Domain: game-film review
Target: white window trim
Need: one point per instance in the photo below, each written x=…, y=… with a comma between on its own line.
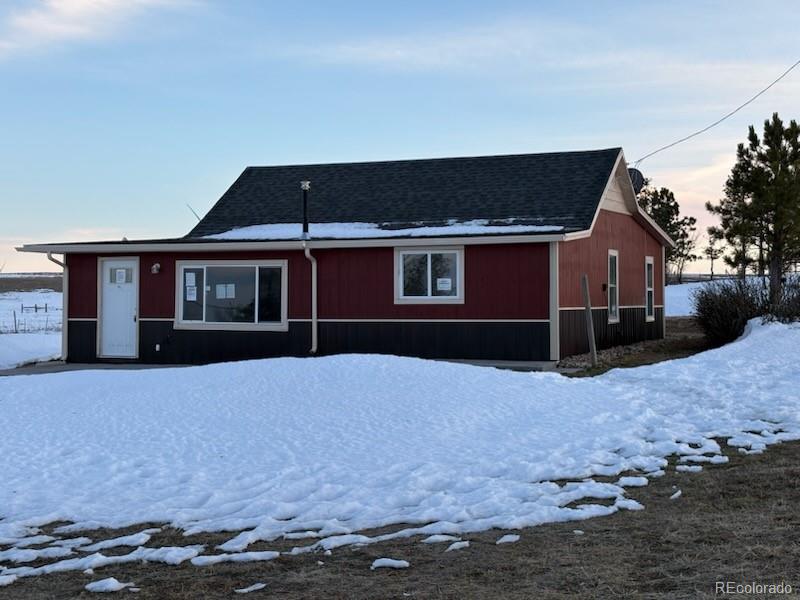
x=179, y=323
x=648, y=260
x=398, y=275
x=615, y=254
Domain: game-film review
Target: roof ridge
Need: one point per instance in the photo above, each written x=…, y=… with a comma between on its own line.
x=436, y=159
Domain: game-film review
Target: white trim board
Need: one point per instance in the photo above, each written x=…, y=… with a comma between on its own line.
x=621, y=307
x=423, y=320
x=555, y=326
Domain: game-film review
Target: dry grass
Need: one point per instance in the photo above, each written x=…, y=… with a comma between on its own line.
x=734, y=522
x=683, y=338
x=29, y=284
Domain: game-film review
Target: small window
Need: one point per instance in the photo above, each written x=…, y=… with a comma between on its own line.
x=432, y=276
x=223, y=295
x=613, y=286
x=649, y=300
x=120, y=275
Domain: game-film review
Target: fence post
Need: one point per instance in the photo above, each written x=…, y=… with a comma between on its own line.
x=15, y=321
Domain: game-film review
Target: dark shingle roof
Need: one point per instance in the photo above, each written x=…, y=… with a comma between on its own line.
x=555, y=189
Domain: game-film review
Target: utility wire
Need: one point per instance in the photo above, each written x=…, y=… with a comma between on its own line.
x=718, y=121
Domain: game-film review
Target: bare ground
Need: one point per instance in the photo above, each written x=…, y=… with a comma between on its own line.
x=683, y=337
x=734, y=522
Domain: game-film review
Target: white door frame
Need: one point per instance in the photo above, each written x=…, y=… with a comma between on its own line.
x=136, y=276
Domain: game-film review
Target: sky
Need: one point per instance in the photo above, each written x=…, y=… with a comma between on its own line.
x=116, y=114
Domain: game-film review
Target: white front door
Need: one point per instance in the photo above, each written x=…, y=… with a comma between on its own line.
x=119, y=302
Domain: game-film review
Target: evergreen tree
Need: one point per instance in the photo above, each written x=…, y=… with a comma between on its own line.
x=766, y=182
x=663, y=207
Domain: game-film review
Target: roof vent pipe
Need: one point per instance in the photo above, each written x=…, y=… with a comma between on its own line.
x=305, y=186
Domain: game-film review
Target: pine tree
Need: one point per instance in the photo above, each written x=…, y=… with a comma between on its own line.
x=767, y=176
x=663, y=207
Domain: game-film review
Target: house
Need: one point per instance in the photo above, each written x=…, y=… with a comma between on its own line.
x=476, y=258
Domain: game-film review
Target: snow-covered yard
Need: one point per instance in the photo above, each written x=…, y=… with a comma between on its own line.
x=30, y=320
x=316, y=450
x=679, y=298
x=21, y=348
x=39, y=331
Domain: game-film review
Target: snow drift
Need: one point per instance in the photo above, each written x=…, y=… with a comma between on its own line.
x=318, y=449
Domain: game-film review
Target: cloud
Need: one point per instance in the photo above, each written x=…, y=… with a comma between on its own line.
x=570, y=57
x=54, y=22
x=465, y=48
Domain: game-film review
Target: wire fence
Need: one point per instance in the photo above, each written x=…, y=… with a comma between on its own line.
x=34, y=318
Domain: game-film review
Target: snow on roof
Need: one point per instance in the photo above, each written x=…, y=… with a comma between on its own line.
x=292, y=231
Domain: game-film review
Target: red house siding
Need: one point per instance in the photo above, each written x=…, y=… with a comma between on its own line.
x=157, y=290
x=590, y=255
x=500, y=282
x=504, y=315
x=82, y=286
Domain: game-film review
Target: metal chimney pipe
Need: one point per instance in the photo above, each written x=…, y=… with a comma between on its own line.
x=305, y=186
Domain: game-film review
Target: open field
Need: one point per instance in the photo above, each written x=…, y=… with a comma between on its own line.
x=733, y=522
x=10, y=282
x=31, y=318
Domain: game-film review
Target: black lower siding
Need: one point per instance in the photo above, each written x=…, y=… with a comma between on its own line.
x=184, y=346
x=457, y=340
x=82, y=341
x=632, y=327
x=475, y=341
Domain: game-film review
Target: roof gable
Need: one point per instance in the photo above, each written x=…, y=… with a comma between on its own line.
x=560, y=189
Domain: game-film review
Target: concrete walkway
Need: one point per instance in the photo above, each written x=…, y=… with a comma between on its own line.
x=59, y=366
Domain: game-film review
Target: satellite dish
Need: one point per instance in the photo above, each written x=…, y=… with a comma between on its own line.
x=637, y=179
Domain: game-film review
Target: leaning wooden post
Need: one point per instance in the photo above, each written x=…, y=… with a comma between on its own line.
x=587, y=303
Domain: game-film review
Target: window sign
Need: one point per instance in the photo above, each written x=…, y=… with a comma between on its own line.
x=444, y=284
x=190, y=279
x=191, y=293
x=120, y=275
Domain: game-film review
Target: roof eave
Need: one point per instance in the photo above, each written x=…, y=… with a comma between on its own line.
x=295, y=244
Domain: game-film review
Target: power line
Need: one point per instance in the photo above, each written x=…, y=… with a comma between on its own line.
x=718, y=121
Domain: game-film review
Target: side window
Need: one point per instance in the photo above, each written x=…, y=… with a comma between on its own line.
x=649, y=286
x=429, y=276
x=613, y=286
x=120, y=275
